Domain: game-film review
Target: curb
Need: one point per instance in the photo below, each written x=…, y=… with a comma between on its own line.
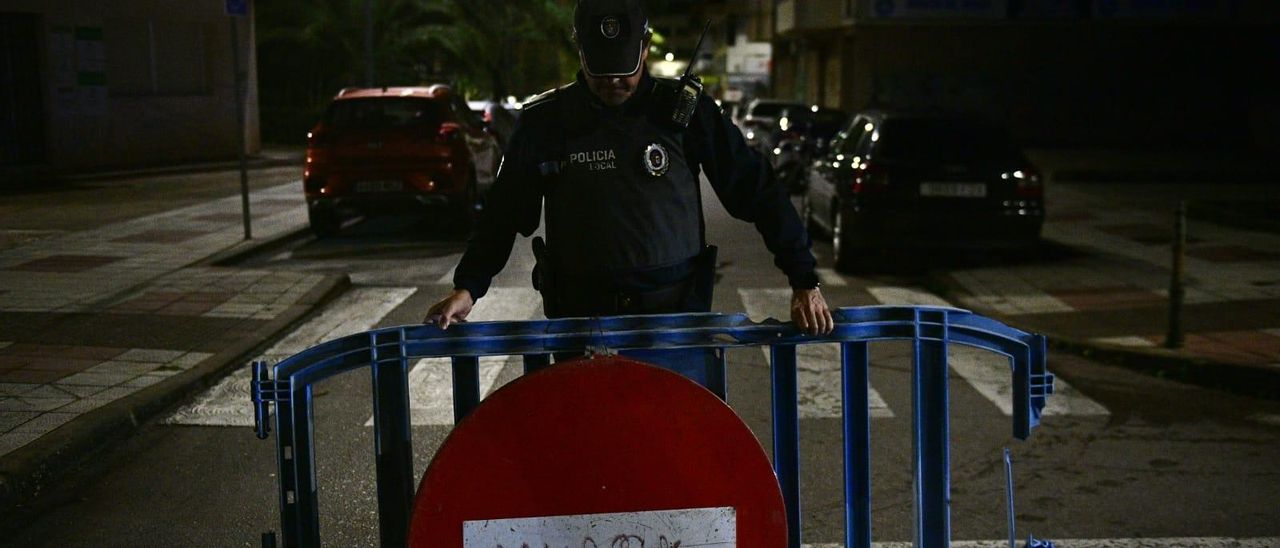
x=1159, y=176
x=32, y=469
x=1227, y=216
x=183, y=169
x=27, y=177
x=1162, y=363
x=239, y=251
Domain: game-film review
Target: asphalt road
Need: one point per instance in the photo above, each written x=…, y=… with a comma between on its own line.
x=1127, y=456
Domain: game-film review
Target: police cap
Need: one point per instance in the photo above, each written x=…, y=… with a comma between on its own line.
x=611, y=35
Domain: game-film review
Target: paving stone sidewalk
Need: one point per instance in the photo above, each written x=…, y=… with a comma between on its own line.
x=89, y=318
x=1111, y=290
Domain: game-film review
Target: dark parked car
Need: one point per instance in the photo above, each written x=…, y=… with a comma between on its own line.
x=903, y=179
x=387, y=150
x=801, y=135
x=760, y=121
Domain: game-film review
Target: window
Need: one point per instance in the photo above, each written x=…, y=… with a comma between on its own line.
x=384, y=113
x=952, y=141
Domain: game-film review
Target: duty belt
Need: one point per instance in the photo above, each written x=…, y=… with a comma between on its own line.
x=581, y=299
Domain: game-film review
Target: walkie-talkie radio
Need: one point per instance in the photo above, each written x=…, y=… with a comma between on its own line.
x=678, y=99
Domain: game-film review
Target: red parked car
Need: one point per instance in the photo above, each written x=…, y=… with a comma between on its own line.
x=394, y=150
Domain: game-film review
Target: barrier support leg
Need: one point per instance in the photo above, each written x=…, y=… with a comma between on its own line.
x=857, y=444
x=466, y=386
x=294, y=423
x=393, y=448
x=717, y=381
x=290, y=530
x=930, y=431
x=536, y=362
x=786, y=435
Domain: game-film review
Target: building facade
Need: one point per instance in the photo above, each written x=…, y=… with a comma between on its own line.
x=1057, y=72
x=90, y=84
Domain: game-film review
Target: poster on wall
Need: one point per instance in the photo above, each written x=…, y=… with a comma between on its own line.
x=1163, y=8
x=91, y=72
x=937, y=9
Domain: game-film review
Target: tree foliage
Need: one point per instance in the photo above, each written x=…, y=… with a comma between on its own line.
x=310, y=49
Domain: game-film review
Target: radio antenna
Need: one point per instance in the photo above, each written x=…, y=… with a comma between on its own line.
x=689, y=69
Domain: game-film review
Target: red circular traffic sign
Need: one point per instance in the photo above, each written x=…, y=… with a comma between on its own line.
x=598, y=436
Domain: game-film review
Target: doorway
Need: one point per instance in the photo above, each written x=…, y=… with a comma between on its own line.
x=22, y=120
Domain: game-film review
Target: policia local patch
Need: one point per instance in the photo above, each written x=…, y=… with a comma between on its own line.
x=655, y=160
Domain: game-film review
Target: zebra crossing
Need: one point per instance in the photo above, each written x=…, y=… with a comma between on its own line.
x=227, y=403
x=431, y=399
x=818, y=375
x=430, y=381
x=986, y=372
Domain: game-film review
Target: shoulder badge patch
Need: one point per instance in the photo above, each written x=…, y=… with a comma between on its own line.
x=656, y=160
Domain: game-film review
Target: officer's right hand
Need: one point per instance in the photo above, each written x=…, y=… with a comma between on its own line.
x=452, y=309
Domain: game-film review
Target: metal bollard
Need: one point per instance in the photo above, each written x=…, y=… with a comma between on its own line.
x=1174, y=338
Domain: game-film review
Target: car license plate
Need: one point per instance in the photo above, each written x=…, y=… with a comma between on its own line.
x=953, y=190
x=379, y=186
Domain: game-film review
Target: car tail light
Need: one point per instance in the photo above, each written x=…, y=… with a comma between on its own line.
x=1029, y=184
x=449, y=131
x=317, y=139
x=422, y=182
x=870, y=178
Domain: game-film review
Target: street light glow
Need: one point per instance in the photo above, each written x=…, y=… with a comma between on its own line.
x=670, y=57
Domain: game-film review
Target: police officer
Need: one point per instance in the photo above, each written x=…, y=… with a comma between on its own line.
x=625, y=233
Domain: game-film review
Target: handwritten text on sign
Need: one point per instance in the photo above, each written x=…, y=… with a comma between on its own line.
x=701, y=527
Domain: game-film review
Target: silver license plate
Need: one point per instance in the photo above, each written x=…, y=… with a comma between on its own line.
x=379, y=186
x=953, y=190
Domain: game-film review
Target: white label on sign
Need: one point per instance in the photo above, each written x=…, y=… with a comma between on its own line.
x=702, y=527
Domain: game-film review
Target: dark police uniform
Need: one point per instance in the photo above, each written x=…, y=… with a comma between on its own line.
x=617, y=212
x=625, y=233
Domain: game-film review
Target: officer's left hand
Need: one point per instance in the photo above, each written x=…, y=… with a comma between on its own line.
x=809, y=311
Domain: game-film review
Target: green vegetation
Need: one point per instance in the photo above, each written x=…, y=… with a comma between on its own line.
x=310, y=49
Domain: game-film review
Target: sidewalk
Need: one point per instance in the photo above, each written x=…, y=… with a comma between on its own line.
x=1163, y=165
x=102, y=328
x=1107, y=295
x=268, y=156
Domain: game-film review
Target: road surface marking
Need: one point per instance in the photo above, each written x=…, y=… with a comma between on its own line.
x=431, y=379
x=1264, y=418
x=907, y=296
x=447, y=278
x=818, y=365
x=1184, y=542
x=227, y=403
x=830, y=277
x=992, y=376
x=988, y=373
x=1128, y=340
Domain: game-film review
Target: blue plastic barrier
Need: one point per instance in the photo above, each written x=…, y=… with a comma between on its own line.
x=388, y=353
